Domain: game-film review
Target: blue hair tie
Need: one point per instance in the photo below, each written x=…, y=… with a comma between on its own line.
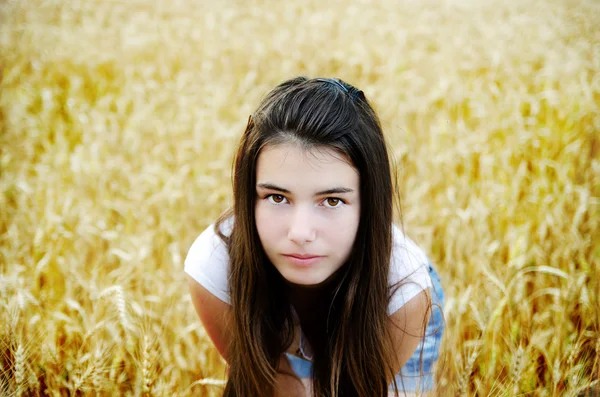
x=354, y=92
x=334, y=82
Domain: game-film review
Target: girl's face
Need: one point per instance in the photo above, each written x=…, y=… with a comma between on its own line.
x=307, y=210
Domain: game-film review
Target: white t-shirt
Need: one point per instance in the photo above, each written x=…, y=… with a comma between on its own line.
x=207, y=262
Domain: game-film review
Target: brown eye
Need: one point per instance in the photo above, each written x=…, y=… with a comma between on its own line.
x=276, y=198
x=332, y=202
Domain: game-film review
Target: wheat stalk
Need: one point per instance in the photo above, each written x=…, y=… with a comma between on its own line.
x=209, y=382
x=119, y=295
x=596, y=367
x=19, y=369
x=556, y=374
x=4, y=385
x=146, y=363
x=517, y=369
x=119, y=299
x=97, y=365
x=463, y=382
x=572, y=368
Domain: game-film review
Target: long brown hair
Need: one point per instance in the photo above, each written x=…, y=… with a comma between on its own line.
x=356, y=359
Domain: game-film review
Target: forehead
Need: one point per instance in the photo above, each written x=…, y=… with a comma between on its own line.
x=295, y=167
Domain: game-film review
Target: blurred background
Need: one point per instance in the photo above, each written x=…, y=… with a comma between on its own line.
x=118, y=123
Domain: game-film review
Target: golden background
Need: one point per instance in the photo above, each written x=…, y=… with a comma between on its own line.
x=118, y=124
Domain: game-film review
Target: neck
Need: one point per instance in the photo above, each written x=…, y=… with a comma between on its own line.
x=309, y=296
x=312, y=304
x=313, y=297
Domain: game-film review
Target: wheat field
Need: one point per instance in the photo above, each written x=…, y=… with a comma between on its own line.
x=118, y=124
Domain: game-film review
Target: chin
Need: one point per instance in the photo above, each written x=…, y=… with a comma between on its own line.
x=303, y=279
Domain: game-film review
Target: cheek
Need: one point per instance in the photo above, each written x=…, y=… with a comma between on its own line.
x=343, y=232
x=259, y=216
x=266, y=224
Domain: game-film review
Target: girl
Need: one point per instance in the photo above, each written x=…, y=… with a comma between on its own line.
x=306, y=287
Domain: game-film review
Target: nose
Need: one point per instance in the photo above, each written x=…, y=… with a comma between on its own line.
x=301, y=228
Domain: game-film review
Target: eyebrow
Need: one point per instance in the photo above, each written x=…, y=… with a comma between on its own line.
x=335, y=190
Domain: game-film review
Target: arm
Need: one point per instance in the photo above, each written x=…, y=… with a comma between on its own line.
x=287, y=384
x=407, y=328
x=215, y=316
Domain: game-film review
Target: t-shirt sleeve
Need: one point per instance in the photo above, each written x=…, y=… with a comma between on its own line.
x=207, y=262
x=409, y=268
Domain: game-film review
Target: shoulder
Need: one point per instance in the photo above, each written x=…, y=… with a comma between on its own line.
x=207, y=261
x=409, y=270
x=209, y=245
x=406, y=255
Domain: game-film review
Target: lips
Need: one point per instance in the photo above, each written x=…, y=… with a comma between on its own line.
x=303, y=259
x=302, y=256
